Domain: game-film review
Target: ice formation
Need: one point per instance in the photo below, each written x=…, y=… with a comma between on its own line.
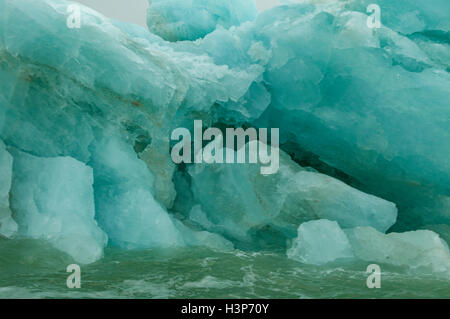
x=53, y=199
x=175, y=20
x=421, y=249
x=238, y=201
x=322, y=241
x=86, y=116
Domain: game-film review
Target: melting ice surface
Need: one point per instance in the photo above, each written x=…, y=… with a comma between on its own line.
x=364, y=118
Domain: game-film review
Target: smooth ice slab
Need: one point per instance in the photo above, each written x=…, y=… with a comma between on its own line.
x=319, y=242
x=53, y=200
x=420, y=250
x=126, y=207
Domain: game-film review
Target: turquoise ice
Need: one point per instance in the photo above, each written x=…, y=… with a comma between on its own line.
x=320, y=241
x=53, y=199
x=323, y=241
x=363, y=116
x=239, y=202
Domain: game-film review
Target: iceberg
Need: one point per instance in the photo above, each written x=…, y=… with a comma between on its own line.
x=175, y=20
x=409, y=18
x=319, y=242
x=86, y=117
x=53, y=199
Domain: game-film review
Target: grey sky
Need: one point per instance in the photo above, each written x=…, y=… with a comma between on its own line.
x=134, y=11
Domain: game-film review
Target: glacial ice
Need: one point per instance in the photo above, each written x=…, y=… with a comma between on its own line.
x=364, y=97
x=409, y=17
x=320, y=241
x=175, y=20
x=417, y=250
x=53, y=199
x=373, y=104
x=441, y=229
x=323, y=241
x=363, y=117
x=237, y=200
x=126, y=208
x=7, y=225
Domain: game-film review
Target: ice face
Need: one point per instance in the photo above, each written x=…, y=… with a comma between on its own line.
x=175, y=20
x=352, y=96
x=418, y=250
x=319, y=242
x=7, y=225
x=371, y=104
x=53, y=199
x=121, y=132
x=126, y=207
x=363, y=117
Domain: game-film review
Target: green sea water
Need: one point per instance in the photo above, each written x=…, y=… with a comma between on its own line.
x=32, y=269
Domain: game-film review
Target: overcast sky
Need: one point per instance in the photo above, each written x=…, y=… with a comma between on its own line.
x=134, y=11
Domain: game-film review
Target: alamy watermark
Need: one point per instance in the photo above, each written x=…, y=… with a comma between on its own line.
x=374, y=279
x=374, y=20
x=74, y=19
x=256, y=149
